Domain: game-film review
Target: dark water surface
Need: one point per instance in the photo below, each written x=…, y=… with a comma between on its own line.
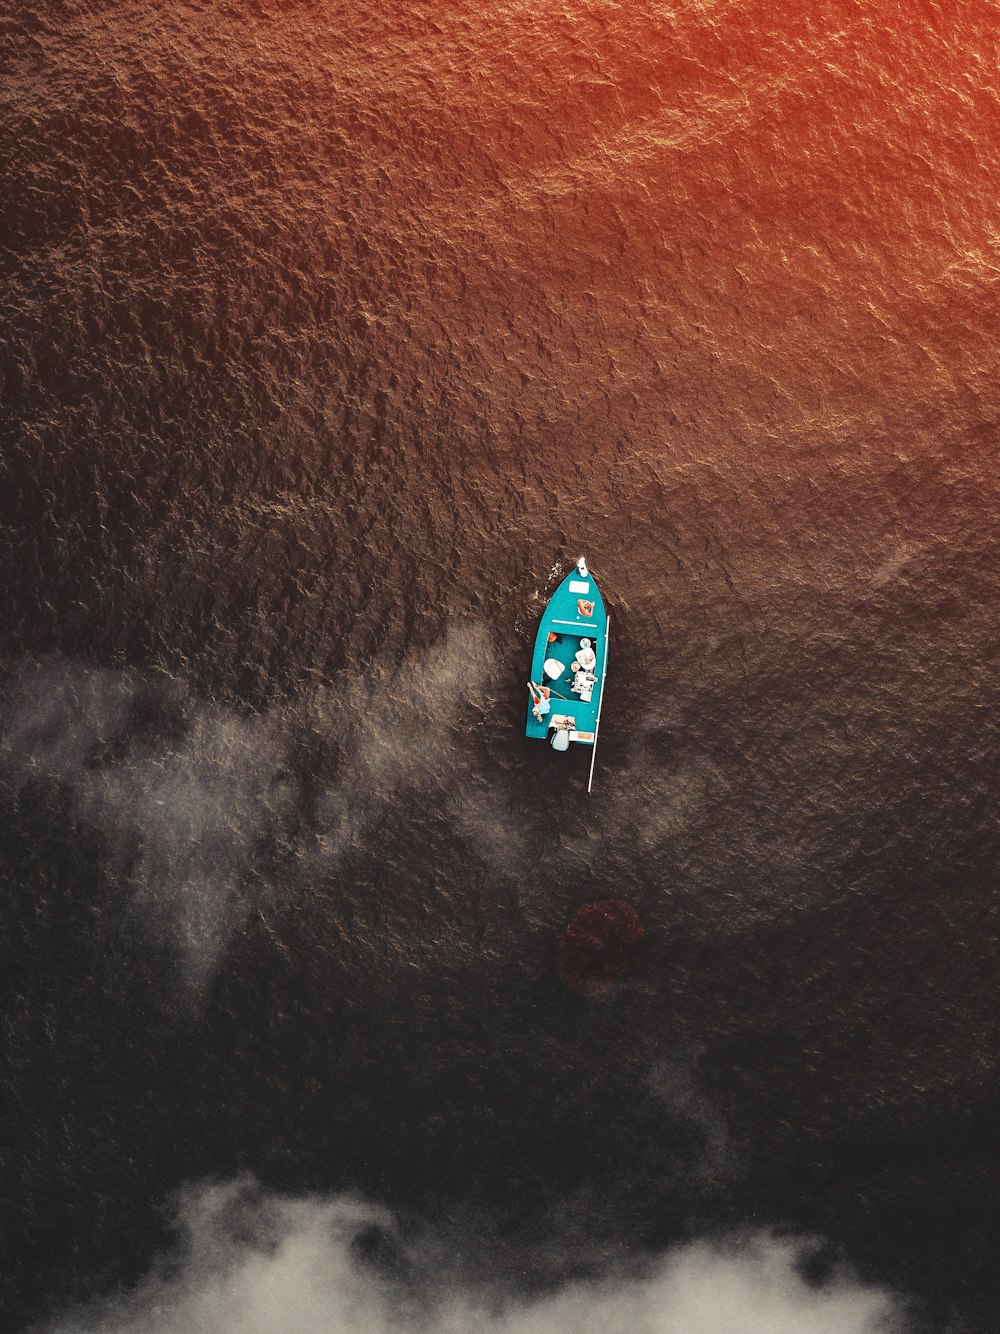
x=331, y=334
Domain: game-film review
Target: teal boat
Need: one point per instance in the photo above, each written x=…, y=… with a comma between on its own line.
x=568, y=666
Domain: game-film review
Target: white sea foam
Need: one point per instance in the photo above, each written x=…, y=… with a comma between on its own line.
x=250, y=1263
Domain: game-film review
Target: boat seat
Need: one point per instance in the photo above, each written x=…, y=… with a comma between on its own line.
x=553, y=668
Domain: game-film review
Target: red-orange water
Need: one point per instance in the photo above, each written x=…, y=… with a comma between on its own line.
x=328, y=330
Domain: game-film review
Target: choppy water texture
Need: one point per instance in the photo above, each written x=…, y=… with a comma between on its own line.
x=330, y=332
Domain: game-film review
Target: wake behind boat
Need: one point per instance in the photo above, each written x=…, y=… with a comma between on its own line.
x=568, y=665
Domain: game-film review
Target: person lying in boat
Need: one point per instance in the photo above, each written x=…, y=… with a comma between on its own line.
x=540, y=695
x=585, y=656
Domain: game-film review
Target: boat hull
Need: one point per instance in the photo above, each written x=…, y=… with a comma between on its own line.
x=575, y=613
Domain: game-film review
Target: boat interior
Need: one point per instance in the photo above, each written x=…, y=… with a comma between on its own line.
x=570, y=666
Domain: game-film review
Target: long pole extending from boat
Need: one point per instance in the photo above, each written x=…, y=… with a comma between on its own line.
x=600, y=702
